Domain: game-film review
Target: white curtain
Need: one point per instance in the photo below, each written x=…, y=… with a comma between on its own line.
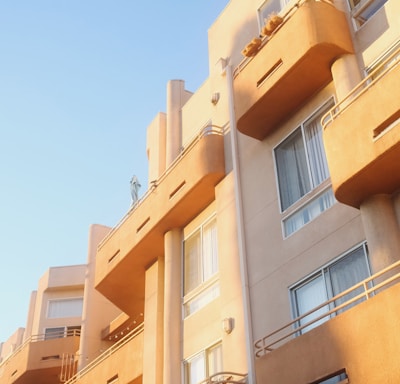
x=292, y=169
x=309, y=296
x=316, y=152
x=196, y=369
x=347, y=272
x=210, y=250
x=192, y=250
x=214, y=360
x=65, y=308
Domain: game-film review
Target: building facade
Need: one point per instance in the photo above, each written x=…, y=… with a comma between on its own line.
x=267, y=246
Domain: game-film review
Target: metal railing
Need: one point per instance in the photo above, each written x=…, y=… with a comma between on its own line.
x=286, y=16
x=210, y=129
x=42, y=337
x=370, y=288
x=373, y=77
x=226, y=377
x=106, y=354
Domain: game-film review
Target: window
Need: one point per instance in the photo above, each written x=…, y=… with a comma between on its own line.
x=308, y=212
x=60, y=332
x=54, y=333
x=200, y=266
x=65, y=308
x=300, y=161
x=268, y=7
x=203, y=364
x=363, y=10
x=328, y=282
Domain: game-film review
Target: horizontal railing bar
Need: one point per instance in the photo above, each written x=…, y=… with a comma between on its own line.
x=210, y=129
x=230, y=378
x=114, y=348
x=360, y=88
x=260, y=345
x=42, y=337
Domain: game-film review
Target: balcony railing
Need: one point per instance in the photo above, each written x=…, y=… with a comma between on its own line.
x=370, y=287
x=208, y=130
x=290, y=66
x=364, y=86
x=42, y=337
x=226, y=377
x=106, y=354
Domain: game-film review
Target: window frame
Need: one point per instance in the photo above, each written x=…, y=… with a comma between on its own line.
x=314, y=189
x=325, y=273
x=260, y=11
x=364, y=8
x=53, y=300
x=207, y=288
x=204, y=353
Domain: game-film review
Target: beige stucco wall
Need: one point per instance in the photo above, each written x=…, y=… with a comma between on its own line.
x=57, y=283
x=98, y=312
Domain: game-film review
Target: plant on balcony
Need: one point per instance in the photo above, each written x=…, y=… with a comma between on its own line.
x=272, y=22
x=252, y=48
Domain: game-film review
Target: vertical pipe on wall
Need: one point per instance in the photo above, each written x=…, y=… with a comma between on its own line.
x=240, y=229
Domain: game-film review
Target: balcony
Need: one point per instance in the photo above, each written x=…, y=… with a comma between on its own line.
x=362, y=137
x=123, y=362
x=360, y=337
x=41, y=359
x=291, y=65
x=187, y=187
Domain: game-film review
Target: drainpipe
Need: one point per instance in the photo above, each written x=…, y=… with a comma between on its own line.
x=240, y=229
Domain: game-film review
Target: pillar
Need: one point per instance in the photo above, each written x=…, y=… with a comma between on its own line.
x=346, y=75
x=153, y=331
x=172, y=307
x=382, y=230
x=175, y=96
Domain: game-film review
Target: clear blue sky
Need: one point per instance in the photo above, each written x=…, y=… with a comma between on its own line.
x=80, y=80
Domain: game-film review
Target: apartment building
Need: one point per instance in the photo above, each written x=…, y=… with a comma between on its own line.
x=319, y=169
x=45, y=349
x=266, y=248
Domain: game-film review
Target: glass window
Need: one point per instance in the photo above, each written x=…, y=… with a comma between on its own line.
x=200, y=267
x=270, y=7
x=300, y=161
x=65, y=308
x=200, y=256
x=203, y=365
x=54, y=333
x=308, y=212
x=363, y=10
x=328, y=282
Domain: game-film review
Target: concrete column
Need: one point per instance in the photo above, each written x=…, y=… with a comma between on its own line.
x=172, y=307
x=153, y=331
x=91, y=345
x=382, y=231
x=175, y=96
x=346, y=75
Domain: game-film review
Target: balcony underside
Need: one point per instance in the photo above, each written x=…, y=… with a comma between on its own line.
x=186, y=189
x=364, y=340
x=39, y=361
x=290, y=67
x=363, y=143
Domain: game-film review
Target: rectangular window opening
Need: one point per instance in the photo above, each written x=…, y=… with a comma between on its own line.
x=326, y=283
x=300, y=160
x=204, y=364
x=201, y=265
